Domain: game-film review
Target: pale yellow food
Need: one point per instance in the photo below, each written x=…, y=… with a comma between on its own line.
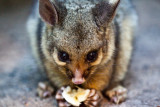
x=75, y=97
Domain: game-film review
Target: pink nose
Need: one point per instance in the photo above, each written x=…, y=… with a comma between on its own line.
x=78, y=81
x=78, y=78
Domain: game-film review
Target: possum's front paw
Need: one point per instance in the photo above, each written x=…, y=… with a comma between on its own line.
x=94, y=98
x=44, y=90
x=117, y=95
x=60, y=99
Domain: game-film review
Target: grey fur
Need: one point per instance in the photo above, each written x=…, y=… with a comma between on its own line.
x=78, y=33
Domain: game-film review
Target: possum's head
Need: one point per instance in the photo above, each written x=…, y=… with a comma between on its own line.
x=78, y=38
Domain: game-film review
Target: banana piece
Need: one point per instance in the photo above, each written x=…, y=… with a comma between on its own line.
x=75, y=97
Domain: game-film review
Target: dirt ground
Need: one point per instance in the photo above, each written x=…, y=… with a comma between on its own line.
x=19, y=74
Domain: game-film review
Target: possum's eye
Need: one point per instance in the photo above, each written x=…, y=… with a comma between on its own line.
x=63, y=56
x=92, y=56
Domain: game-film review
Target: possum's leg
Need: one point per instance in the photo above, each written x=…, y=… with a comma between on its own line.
x=125, y=47
x=34, y=27
x=124, y=52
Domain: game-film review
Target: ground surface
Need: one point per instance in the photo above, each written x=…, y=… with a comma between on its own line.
x=19, y=74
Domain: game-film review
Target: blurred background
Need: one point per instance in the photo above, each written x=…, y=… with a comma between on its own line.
x=19, y=74
x=13, y=37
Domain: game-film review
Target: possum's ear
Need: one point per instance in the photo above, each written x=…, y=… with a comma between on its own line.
x=104, y=12
x=48, y=12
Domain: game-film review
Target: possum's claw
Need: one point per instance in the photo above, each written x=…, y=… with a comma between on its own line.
x=117, y=94
x=94, y=98
x=44, y=90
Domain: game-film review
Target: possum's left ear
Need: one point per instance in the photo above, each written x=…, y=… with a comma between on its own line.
x=48, y=12
x=104, y=12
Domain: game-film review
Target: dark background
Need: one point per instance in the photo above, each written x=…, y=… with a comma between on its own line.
x=19, y=74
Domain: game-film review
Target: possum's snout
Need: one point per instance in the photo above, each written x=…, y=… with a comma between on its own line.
x=78, y=77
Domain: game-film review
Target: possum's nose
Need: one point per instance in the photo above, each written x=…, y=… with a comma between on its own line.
x=78, y=77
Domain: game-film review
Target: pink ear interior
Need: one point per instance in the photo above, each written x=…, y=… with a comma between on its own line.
x=48, y=12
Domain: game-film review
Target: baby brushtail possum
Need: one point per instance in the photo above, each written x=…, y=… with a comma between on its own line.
x=85, y=43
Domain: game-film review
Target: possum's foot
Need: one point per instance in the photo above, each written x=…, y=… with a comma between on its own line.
x=117, y=95
x=94, y=98
x=44, y=90
x=60, y=100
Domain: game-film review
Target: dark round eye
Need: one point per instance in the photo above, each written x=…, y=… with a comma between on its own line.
x=63, y=56
x=92, y=56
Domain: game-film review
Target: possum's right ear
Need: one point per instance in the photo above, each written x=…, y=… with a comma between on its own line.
x=104, y=12
x=48, y=12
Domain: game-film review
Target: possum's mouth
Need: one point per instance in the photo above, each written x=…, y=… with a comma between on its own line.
x=77, y=78
x=78, y=81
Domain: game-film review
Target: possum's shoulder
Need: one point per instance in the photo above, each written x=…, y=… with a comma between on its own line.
x=33, y=20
